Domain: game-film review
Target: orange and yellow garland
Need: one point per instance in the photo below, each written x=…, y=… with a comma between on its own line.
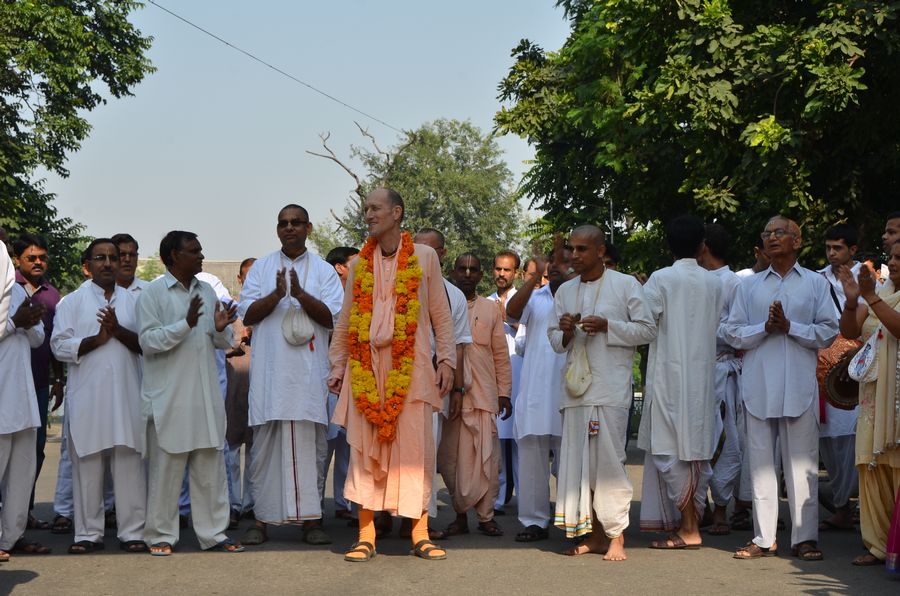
x=362, y=378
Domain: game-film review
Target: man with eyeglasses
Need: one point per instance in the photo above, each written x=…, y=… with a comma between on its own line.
x=780, y=318
x=128, y=263
x=32, y=261
x=95, y=335
x=288, y=378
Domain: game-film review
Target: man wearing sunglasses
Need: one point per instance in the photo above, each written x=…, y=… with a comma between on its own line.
x=32, y=260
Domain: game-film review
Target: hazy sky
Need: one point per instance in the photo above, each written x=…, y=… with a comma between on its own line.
x=215, y=143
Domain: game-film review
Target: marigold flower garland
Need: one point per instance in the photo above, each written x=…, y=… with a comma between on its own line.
x=406, y=313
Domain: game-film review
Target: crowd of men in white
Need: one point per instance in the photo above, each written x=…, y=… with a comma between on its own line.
x=731, y=399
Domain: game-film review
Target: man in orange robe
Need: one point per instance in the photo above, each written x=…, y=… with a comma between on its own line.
x=393, y=475
x=469, y=453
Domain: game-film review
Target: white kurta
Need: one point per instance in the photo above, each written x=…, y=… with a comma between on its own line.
x=779, y=370
x=620, y=299
x=103, y=393
x=7, y=281
x=506, y=428
x=679, y=408
x=289, y=382
x=18, y=402
x=838, y=422
x=540, y=382
x=137, y=285
x=180, y=390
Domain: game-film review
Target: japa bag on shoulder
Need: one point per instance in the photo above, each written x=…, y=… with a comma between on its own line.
x=297, y=326
x=864, y=365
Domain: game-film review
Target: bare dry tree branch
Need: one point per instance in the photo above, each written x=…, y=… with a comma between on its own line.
x=360, y=192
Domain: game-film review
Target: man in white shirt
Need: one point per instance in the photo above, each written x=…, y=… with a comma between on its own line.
x=761, y=263
x=7, y=280
x=181, y=324
x=128, y=263
x=600, y=316
x=781, y=317
x=837, y=427
x=538, y=423
x=506, y=266
x=22, y=331
x=730, y=426
x=288, y=377
x=679, y=419
x=94, y=334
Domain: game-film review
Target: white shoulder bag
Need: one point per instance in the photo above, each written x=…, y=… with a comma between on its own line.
x=297, y=326
x=863, y=366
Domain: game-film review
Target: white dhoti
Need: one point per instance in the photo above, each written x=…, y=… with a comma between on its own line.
x=669, y=486
x=799, y=446
x=285, y=477
x=592, y=476
x=18, y=461
x=534, y=478
x=208, y=487
x=839, y=456
x=726, y=472
x=129, y=479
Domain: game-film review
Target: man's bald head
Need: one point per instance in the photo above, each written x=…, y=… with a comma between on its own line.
x=591, y=233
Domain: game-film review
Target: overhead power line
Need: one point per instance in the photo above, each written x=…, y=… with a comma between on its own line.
x=275, y=68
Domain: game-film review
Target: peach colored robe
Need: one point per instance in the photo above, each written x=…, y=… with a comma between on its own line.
x=396, y=476
x=469, y=454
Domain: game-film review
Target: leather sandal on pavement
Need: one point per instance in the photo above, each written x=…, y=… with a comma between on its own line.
x=424, y=549
x=754, y=551
x=366, y=548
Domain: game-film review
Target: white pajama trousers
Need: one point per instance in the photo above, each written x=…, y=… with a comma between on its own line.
x=534, y=478
x=239, y=494
x=64, y=497
x=18, y=462
x=726, y=477
x=130, y=485
x=208, y=487
x=799, y=451
x=839, y=456
x=286, y=473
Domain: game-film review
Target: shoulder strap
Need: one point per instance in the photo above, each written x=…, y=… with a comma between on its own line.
x=834, y=296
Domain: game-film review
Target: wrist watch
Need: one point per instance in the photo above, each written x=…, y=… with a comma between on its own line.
x=460, y=390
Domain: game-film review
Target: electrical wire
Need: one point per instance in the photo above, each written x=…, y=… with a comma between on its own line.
x=275, y=68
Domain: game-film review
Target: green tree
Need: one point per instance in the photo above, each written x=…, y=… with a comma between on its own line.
x=735, y=110
x=451, y=176
x=54, y=54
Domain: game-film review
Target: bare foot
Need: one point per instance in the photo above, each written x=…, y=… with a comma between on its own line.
x=616, y=551
x=593, y=544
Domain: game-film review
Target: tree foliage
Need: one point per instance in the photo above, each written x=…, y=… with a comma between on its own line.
x=452, y=178
x=736, y=110
x=53, y=53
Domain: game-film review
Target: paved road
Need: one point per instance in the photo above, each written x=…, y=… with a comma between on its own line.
x=476, y=565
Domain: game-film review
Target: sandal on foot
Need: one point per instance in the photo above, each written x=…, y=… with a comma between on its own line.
x=85, y=547
x=807, y=551
x=677, y=543
x=719, y=529
x=828, y=525
x=741, y=520
x=4, y=556
x=490, y=528
x=36, y=524
x=532, y=533
x=25, y=547
x=161, y=549
x=366, y=548
x=227, y=546
x=454, y=529
x=61, y=525
x=316, y=536
x=133, y=546
x=754, y=551
x=866, y=560
x=424, y=548
x=255, y=536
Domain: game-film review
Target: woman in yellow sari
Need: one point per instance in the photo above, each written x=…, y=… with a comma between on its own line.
x=878, y=426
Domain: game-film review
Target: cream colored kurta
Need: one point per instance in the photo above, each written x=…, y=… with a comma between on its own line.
x=396, y=476
x=103, y=393
x=180, y=390
x=679, y=409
